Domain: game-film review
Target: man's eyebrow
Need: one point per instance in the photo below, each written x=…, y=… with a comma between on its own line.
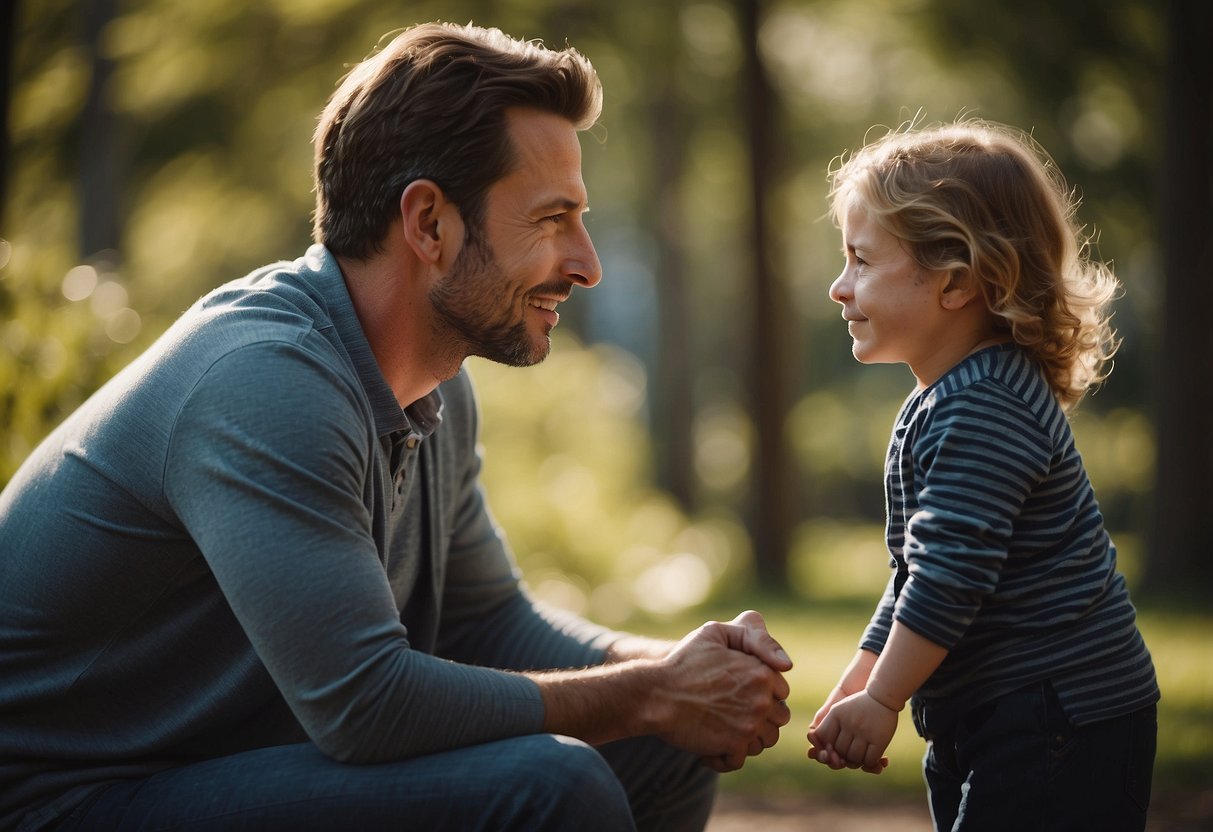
x=564, y=203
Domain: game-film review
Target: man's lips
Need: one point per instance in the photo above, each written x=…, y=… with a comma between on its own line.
x=547, y=308
x=545, y=303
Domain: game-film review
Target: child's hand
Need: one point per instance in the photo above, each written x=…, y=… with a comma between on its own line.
x=852, y=732
x=836, y=695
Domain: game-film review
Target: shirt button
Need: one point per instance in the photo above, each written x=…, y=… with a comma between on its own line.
x=411, y=442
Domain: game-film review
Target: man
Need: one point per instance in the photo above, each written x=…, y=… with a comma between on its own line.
x=253, y=582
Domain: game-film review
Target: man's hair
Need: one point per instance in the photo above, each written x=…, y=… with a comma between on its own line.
x=984, y=201
x=432, y=105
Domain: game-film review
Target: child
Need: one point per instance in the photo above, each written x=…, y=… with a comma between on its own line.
x=1005, y=618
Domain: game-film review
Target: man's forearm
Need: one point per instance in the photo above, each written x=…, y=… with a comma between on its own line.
x=715, y=693
x=601, y=704
x=628, y=647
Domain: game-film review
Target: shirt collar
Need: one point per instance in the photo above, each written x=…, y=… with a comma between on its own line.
x=319, y=267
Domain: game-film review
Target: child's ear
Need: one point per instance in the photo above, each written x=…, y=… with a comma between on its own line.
x=959, y=289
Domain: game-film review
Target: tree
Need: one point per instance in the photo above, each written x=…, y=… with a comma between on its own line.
x=8, y=41
x=770, y=520
x=673, y=422
x=1178, y=561
x=101, y=145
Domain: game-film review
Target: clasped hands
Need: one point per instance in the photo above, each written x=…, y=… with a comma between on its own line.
x=852, y=730
x=733, y=699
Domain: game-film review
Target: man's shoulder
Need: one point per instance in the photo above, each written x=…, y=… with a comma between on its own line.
x=281, y=303
x=275, y=301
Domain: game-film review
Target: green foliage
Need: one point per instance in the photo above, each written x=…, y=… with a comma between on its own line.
x=567, y=470
x=821, y=633
x=56, y=351
x=217, y=101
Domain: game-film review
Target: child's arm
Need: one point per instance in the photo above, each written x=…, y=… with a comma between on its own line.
x=907, y=662
x=854, y=679
x=855, y=730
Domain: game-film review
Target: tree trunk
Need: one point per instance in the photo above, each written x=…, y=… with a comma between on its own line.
x=673, y=388
x=101, y=148
x=1177, y=558
x=770, y=514
x=8, y=43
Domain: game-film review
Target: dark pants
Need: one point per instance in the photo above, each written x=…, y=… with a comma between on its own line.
x=538, y=782
x=1017, y=764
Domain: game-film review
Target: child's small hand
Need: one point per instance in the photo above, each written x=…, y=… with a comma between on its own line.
x=852, y=732
x=829, y=757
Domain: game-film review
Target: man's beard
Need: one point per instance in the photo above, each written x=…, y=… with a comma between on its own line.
x=470, y=307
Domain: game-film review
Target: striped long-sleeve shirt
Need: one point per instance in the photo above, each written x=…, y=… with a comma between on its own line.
x=999, y=550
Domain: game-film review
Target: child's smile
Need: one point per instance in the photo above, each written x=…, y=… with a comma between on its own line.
x=891, y=304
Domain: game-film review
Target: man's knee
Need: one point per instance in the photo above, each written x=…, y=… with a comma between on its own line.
x=561, y=783
x=668, y=789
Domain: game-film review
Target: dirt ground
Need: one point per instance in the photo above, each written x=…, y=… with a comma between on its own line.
x=737, y=813
x=1189, y=812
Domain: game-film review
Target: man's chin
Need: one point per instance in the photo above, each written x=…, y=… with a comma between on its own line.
x=529, y=357
x=537, y=356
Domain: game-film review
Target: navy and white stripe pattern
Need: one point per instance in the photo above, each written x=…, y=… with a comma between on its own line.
x=999, y=549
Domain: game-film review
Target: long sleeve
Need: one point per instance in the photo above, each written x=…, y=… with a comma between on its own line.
x=295, y=530
x=877, y=632
x=1000, y=546
x=977, y=458
x=488, y=618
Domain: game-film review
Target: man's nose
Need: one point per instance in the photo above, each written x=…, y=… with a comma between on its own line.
x=581, y=264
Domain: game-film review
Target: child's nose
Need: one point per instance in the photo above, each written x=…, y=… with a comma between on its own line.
x=840, y=289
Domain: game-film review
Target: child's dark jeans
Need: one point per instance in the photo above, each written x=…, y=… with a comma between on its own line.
x=1016, y=763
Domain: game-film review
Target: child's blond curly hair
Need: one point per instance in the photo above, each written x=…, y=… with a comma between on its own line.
x=984, y=199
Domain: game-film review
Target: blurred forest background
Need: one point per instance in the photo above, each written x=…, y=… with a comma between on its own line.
x=700, y=436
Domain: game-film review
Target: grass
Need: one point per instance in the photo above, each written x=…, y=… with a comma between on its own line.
x=821, y=637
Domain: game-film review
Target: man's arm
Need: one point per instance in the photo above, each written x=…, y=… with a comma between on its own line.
x=628, y=685
x=718, y=693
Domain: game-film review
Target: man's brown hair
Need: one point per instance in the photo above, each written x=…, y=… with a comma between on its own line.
x=432, y=105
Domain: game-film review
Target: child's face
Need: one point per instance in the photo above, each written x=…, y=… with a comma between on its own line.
x=891, y=304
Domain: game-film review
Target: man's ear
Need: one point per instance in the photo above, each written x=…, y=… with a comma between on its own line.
x=431, y=223
x=959, y=289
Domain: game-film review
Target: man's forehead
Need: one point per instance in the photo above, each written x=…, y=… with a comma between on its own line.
x=547, y=166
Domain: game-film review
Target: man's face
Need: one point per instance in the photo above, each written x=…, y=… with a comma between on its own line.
x=500, y=295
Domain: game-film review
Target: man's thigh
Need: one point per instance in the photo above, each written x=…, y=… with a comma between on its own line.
x=669, y=789
x=533, y=782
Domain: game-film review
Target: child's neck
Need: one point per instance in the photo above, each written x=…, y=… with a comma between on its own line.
x=961, y=351
x=991, y=341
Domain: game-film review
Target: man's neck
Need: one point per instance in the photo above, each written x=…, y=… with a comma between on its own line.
x=395, y=314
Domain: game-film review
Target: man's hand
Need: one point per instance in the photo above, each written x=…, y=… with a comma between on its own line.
x=724, y=694
x=748, y=633
x=719, y=692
